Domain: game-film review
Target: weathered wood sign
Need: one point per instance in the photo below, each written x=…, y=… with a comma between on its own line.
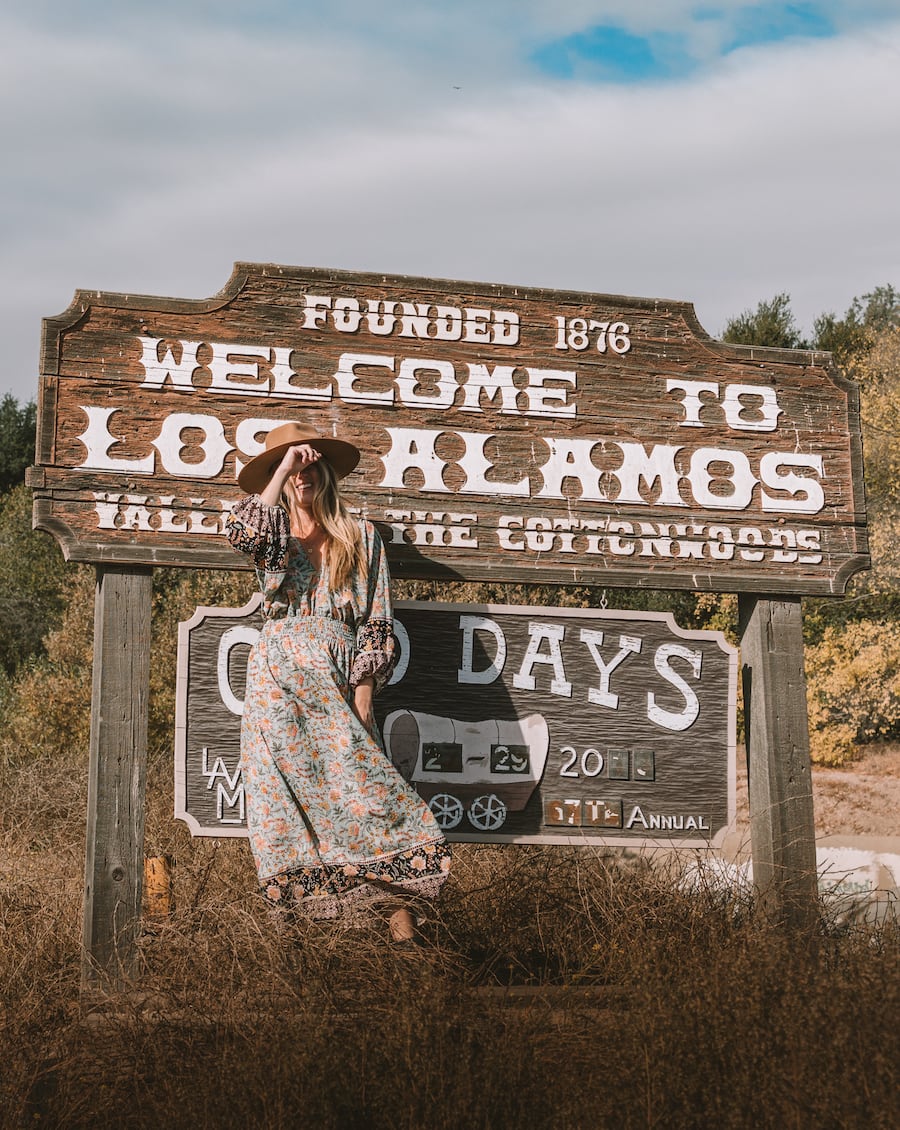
x=506, y=432
x=540, y=725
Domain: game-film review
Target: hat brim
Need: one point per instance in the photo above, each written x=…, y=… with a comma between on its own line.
x=342, y=458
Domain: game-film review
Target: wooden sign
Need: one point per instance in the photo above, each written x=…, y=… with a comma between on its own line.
x=538, y=725
x=506, y=433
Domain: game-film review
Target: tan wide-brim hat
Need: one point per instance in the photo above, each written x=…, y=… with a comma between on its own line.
x=342, y=456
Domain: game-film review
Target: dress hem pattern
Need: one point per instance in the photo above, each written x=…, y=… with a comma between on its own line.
x=350, y=891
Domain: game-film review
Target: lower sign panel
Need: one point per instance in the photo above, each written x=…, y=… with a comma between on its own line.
x=539, y=725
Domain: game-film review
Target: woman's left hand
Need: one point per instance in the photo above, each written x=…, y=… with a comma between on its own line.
x=363, y=703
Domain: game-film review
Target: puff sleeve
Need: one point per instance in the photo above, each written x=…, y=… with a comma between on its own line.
x=376, y=645
x=260, y=531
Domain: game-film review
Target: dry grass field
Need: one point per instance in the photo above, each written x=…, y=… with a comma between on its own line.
x=560, y=989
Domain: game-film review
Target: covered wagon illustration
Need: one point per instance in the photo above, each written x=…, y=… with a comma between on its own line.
x=481, y=770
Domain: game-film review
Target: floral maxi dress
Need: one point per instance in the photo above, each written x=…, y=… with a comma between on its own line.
x=333, y=826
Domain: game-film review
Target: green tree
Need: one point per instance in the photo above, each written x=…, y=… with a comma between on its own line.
x=873, y=595
x=770, y=324
x=850, y=338
x=881, y=310
x=33, y=581
x=878, y=374
x=17, y=434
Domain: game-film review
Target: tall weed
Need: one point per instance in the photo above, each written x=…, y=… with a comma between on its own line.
x=560, y=989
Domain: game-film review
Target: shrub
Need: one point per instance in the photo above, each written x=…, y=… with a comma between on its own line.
x=853, y=689
x=34, y=581
x=47, y=705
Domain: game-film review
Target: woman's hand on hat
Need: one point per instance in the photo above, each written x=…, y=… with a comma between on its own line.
x=297, y=457
x=294, y=459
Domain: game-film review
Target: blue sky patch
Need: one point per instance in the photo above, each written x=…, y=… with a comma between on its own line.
x=611, y=54
x=608, y=53
x=773, y=23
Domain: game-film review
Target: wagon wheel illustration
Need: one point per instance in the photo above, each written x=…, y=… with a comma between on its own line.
x=448, y=811
x=487, y=812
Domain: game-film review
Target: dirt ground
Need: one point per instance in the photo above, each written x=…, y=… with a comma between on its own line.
x=862, y=799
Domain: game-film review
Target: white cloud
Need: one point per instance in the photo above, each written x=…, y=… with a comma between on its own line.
x=149, y=163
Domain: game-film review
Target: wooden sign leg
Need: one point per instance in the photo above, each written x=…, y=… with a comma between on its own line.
x=118, y=757
x=782, y=830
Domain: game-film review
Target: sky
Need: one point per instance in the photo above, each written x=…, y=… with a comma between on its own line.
x=715, y=153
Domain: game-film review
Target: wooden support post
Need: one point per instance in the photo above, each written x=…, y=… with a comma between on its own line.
x=782, y=830
x=118, y=755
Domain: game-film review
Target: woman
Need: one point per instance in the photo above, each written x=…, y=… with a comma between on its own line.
x=334, y=828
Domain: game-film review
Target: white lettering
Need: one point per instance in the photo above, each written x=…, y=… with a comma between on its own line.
x=170, y=444
x=571, y=459
x=171, y=521
x=240, y=634
x=281, y=379
x=691, y=401
x=617, y=546
x=223, y=368
x=180, y=373
x=224, y=800
x=413, y=449
x=739, y=476
x=506, y=328
x=469, y=625
x=247, y=435
x=811, y=496
x=477, y=328
x=347, y=315
x=447, y=323
x=402, y=663
x=107, y=507
x=97, y=439
x=346, y=377
x=505, y=526
x=636, y=817
x=553, y=634
x=475, y=464
x=809, y=539
x=549, y=401
x=657, y=466
x=408, y=383
x=668, y=719
x=380, y=318
x=483, y=380
x=747, y=536
x=734, y=408
x=628, y=645
x=316, y=311
x=733, y=404
x=135, y=515
x=720, y=543
x=414, y=320
x=160, y=513
x=199, y=520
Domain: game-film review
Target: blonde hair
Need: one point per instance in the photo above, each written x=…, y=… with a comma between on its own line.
x=345, y=549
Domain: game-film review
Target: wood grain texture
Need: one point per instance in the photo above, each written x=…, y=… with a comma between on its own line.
x=600, y=763
x=118, y=754
x=782, y=828
x=478, y=495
